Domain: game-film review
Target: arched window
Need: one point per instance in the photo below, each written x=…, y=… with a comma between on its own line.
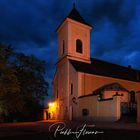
x=79, y=47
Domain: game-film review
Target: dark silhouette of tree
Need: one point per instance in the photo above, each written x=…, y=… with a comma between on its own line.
x=22, y=85
x=30, y=73
x=10, y=99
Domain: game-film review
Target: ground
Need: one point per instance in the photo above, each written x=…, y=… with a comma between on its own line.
x=40, y=130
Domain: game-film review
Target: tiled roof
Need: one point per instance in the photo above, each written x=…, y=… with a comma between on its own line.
x=103, y=68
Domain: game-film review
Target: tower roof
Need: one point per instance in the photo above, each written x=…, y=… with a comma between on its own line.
x=75, y=15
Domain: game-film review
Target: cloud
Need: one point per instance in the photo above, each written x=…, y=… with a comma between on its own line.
x=116, y=28
x=25, y=21
x=30, y=26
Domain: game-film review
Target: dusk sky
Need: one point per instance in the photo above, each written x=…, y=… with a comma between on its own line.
x=30, y=26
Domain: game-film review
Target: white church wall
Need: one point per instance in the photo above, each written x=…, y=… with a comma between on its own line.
x=89, y=103
x=125, y=97
x=109, y=110
x=62, y=36
x=73, y=78
x=92, y=82
x=82, y=32
x=60, y=86
x=110, y=93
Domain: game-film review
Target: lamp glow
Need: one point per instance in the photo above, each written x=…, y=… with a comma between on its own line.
x=52, y=106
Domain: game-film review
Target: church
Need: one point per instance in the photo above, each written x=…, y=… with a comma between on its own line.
x=86, y=88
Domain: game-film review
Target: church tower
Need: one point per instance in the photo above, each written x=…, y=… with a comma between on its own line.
x=73, y=44
x=74, y=37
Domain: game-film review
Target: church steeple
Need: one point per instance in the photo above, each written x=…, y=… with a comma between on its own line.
x=74, y=37
x=75, y=15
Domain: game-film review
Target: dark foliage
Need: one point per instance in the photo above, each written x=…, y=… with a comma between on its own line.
x=22, y=86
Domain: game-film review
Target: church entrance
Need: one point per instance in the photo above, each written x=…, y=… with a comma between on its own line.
x=129, y=109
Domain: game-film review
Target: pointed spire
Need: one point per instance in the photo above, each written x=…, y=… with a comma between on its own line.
x=75, y=15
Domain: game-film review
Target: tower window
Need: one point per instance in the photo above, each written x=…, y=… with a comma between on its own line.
x=79, y=46
x=71, y=89
x=63, y=47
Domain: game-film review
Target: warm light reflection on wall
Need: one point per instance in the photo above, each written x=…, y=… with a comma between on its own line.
x=52, y=109
x=52, y=106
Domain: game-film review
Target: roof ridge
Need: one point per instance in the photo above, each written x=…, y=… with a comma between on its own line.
x=113, y=64
x=107, y=69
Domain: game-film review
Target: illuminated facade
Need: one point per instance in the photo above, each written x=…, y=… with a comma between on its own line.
x=86, y=88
